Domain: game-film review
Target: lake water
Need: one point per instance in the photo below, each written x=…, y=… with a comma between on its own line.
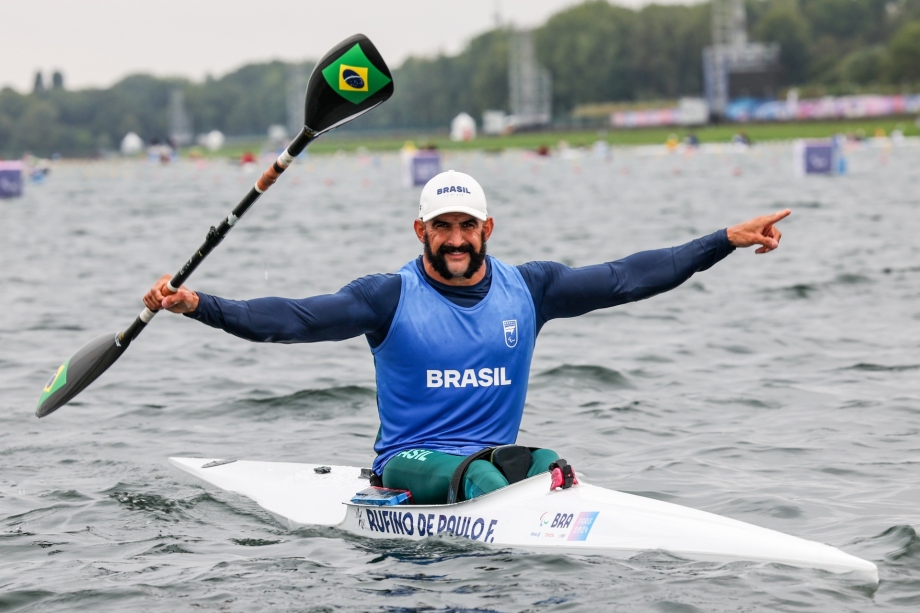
x=781, y=390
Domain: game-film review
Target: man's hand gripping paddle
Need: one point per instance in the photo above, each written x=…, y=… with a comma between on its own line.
x=349, y=81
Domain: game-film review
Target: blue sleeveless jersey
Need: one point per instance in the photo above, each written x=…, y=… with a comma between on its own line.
x=450, y=378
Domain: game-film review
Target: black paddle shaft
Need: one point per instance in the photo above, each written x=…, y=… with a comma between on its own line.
x=217, y=234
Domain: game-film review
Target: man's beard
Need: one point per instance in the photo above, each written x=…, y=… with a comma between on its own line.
x=439, y=260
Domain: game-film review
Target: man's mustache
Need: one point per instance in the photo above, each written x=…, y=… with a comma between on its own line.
x=445, y=249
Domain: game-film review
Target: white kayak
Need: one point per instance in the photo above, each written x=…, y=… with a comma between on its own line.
x=583, y=519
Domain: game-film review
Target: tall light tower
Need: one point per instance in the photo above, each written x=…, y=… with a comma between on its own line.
x=729, y=23
x=180, y=123
x=731, y=53
x=530, y=86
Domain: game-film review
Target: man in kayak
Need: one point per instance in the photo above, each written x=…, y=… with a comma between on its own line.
x=453, y=332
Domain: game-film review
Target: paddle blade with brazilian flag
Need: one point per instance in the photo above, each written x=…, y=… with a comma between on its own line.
x=354, y=72
x=79, y=371
x=349, y=81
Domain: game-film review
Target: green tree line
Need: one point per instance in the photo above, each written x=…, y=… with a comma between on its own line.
x=596, y=52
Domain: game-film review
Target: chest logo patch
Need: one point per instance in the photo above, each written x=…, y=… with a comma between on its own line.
x=511, y=332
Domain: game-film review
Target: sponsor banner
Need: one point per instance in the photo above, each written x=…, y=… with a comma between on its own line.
x=819, y=158
x=751, y=109
x=829, y=107
x=10, y=179
x=642, y=119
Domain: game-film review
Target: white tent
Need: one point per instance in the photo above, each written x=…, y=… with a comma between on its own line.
x=494, y=122
x=462, y=128
x=131, y=144
x=213, y=140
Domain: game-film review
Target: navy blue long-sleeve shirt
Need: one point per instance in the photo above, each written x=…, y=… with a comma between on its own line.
x=367, y=305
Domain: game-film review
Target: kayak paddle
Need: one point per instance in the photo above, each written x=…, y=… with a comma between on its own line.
x=349, y=81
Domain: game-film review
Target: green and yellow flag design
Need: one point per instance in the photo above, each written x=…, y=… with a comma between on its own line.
x=353, y=76
x=56, y=382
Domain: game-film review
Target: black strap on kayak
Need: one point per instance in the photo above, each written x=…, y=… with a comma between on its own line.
x=455, y=491
x=513, y=461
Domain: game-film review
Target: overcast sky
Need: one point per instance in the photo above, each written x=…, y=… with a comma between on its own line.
x=97, y=42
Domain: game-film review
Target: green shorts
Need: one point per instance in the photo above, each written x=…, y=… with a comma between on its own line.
x=427, y=474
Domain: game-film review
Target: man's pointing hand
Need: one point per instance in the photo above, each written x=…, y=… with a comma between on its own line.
x=758, y=231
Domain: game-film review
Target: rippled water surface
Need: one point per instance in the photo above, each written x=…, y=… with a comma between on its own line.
x=781, y=390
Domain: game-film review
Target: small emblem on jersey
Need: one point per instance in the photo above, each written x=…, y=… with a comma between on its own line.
x=511, y=329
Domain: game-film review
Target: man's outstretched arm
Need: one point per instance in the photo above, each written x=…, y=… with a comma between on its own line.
x=364, y=306
x=559, y=291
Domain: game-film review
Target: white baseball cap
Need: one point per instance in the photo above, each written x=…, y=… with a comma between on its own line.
x=452, y=192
